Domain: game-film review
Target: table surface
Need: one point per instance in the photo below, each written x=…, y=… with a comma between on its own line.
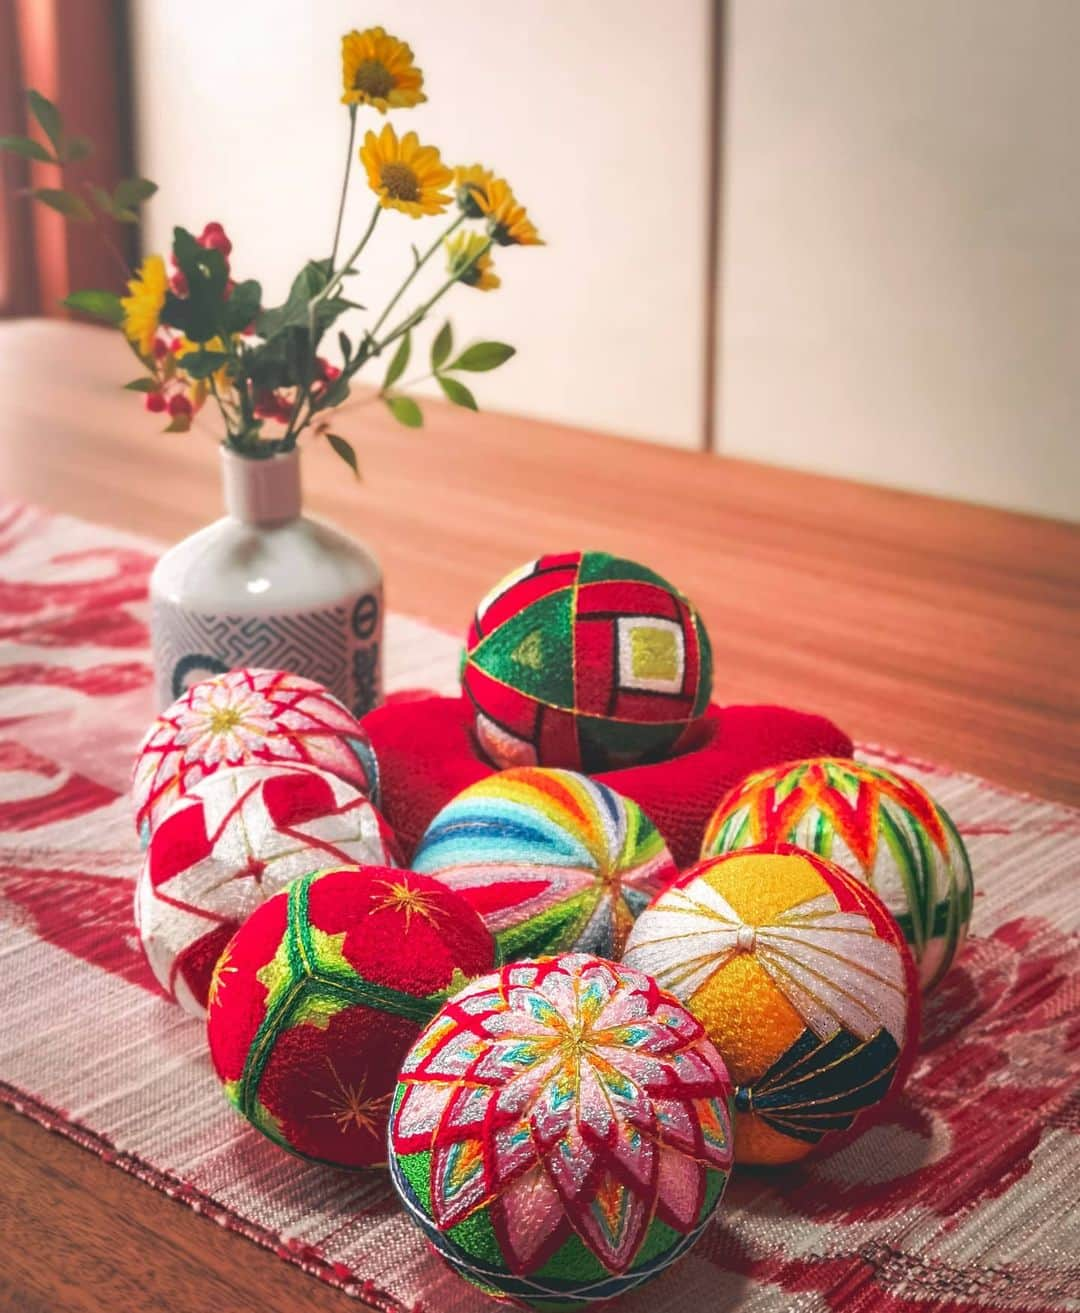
x=949, y=630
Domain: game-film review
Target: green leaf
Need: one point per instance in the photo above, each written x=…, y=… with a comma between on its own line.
x=66, y=202
x=102, y=199
x=125, y=216
x=201, y=364
x=102, y=305
x=29, y=150
x=78, y=148
x=133, y=191
x=457, y=392
x=345, y=451
x=140, y=385
x=242, y=306
x=401, y=359
x=484, y=355
x=442, y=346
x=308, y=283
x=405, y=411
x=48, y=116
x=200, y=314
x=178, y=424
x=345, y=345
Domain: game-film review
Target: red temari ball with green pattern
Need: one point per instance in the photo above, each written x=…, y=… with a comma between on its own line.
x=318, y=996
x=561, y=1131
x=586, y=661
x=241, y=718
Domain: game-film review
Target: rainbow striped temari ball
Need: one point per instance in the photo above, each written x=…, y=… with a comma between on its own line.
x=561, y=1131
x=552, y=861
x=876, y=824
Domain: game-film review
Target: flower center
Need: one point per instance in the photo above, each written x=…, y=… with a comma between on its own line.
x=223, y=719
x=400, y=182
x=373, y=78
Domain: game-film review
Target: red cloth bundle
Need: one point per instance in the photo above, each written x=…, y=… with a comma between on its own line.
x=427, y=754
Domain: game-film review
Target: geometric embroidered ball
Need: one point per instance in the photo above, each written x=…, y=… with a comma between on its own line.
x=801, y=978
x=561, y=1131
x=588, y=662
x=318, y=996
x=553, y=861
x=243, y=717
x=874, y=823
x=235, y=839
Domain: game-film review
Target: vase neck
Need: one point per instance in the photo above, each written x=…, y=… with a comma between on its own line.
x=261, y=492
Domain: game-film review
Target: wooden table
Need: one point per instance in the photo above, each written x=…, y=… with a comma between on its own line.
x=951, y=631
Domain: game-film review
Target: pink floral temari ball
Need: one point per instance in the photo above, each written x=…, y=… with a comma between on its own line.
x=561, y=1131
x=245, y=717
x=237, y=838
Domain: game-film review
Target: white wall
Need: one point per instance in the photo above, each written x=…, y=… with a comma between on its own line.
x=901, y=244
x=596, y=112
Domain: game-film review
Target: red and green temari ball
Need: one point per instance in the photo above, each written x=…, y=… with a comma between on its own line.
x=243, y=717
x=553, y=861
x=586, y=661
x=319, y=995
x=239, y=837
x=562, y=1131
x=876, y=824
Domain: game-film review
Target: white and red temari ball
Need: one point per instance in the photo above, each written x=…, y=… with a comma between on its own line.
x=240, y=836
x=561, y=1131
x=241, y=718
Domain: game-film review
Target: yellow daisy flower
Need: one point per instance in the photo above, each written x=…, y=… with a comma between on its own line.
x=471, y=268
x=142, y=309
x=508, y=222
x=405, y=175
x=471, y=182
x=377, y=69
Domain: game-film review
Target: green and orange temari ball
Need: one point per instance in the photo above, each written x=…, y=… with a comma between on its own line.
x=562, y=1131
x=586, y=661
x=873, y=822
x=319, y=995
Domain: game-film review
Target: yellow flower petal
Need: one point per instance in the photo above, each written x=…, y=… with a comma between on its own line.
x=377, y=69
x=405, y=175
x=142, y=308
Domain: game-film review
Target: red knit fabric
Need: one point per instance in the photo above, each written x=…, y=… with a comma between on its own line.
x=319, y=995
x=427, y=755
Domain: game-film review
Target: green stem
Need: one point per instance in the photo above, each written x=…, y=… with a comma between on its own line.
x=417, y=266
x=410, y=321
x=344, y=184
x=335, y=277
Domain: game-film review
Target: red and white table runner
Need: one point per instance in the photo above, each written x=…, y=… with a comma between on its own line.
x=964, y=1197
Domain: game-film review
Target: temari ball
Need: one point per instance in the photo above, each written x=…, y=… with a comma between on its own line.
x=876, y=824
x=239, y=718
x=585, y=661
x=236, y=839
x=553, y=861
x=562, y=1131
x=318, y=996
x=803, y=981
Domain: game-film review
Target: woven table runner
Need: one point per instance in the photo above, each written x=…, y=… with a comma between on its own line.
x=964, y=1196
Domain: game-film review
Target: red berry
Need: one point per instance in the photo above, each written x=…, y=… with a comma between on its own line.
x=327, y=372
x=178, y=283
x=214, y=237
x=179, y=405
x=161, y=348
x=155, y=402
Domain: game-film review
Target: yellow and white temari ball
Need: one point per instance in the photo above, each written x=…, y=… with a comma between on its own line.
x=802, y=979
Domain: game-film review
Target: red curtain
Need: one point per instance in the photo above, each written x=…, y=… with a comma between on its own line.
x=75, y=53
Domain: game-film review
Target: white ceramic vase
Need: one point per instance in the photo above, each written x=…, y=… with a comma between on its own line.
x=266, y=586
